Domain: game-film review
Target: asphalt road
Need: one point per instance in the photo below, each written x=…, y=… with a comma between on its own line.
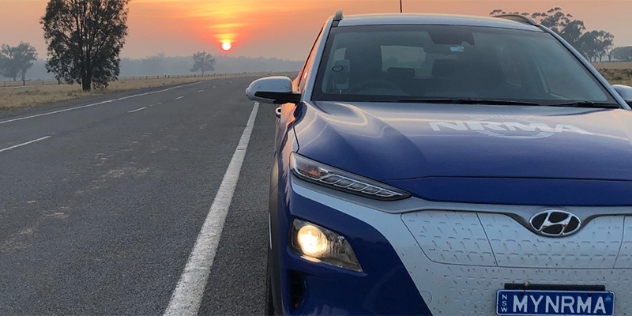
x=102, y=200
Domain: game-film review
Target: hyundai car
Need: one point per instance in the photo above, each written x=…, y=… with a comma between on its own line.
x=430, y=164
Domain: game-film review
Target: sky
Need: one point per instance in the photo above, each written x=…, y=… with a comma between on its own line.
x=280, y=28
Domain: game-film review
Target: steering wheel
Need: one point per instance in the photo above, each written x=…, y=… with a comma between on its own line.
x=372, y=83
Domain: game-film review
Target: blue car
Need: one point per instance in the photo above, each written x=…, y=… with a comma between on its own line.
x=440, y=164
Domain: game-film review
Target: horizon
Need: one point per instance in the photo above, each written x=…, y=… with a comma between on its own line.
x=181, y=28
x=159, y=54
x=159, y=65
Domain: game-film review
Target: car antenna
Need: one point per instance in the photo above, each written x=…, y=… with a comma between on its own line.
x=400, y=6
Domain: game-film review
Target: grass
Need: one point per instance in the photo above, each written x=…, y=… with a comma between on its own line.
x=616, y=72
x=613, y=65
x=14, y=97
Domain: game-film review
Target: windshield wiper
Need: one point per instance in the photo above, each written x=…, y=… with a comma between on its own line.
x=588, y=104
x=469, y=101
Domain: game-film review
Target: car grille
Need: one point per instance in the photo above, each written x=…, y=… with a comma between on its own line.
x=472, y=255
x=497, y=240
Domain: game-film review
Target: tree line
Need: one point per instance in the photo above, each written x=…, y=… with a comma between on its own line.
x=161, y=64
x=594, y=45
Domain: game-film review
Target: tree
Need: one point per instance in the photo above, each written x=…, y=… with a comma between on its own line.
x=604, y=44
x=16, y=61
x=573, y=32
x=609, y=53
x=153, y=65
x=589, y=45
x=593, y=45
x=554, y=19
x=622, y=53
x=596, y=44
x=499, y=11
x=7, y=68
x=84, y=39
x=203, y=61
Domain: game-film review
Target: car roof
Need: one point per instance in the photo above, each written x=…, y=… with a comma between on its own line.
x=434, y=19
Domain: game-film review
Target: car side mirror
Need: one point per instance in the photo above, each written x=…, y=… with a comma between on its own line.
x=625, y=92
x=275, y=89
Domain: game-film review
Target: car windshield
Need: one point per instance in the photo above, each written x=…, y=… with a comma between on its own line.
x=426, y=62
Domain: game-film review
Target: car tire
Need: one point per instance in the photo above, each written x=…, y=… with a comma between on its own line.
x=269, y=307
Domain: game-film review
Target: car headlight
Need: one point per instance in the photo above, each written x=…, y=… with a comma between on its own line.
x=319, y=244
x=335, y=178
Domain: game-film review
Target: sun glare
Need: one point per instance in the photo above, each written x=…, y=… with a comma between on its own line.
x=226, y=45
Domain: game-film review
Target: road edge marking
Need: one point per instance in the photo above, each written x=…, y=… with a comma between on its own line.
x=187, y=296
x=24, y=144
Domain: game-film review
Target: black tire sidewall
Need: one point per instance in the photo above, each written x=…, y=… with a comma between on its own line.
x=269, y=305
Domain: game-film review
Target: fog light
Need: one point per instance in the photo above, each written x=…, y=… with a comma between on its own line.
x=319, y=244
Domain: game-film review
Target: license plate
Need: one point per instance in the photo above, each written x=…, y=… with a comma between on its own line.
x=525, y=302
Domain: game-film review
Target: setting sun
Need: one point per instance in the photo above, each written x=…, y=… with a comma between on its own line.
x=226, y=45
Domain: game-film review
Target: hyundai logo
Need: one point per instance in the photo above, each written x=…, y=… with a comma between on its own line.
x=555, y=223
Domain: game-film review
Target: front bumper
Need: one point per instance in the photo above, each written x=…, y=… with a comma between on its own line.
x=384, y=287
x=403, y=273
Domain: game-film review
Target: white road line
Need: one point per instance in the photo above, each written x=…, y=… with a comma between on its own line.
x=200, y=91
x=140, y=109
x=151, y=105
x=93, y=104
x=24, y=144
x=187, y=296
x=180, y=97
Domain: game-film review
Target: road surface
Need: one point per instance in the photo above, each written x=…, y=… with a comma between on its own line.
x=103, y=199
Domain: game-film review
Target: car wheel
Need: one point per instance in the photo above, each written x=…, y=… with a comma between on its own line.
x=269, y=307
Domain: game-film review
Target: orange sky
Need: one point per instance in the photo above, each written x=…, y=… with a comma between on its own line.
x=279, y=28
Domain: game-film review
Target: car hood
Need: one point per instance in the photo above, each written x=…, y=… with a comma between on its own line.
x=396, y=141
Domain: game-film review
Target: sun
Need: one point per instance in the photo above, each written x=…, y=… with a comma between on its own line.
x=226, y=45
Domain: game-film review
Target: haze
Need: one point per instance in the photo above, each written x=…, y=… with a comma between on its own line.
x=278, y=28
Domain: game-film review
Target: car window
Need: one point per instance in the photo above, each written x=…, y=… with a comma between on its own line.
x=557, y=73
x=365, y=63
x=511, y=62
x=411, y=57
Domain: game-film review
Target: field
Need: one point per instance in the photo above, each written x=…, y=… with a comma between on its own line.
x=14, y=95
x=616, y=72
x=613, y=65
